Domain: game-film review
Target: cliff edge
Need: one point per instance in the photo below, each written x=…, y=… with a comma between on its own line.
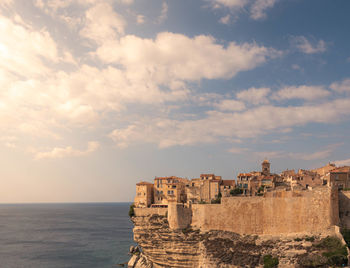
x=160, y=246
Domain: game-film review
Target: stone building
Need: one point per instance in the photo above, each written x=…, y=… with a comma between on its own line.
x=322, y=171
x=340, y=177
x=203, y=189
x=169, y=189
x=144, y=194
x=226, y=186
x=254, y=182
x=207, y=188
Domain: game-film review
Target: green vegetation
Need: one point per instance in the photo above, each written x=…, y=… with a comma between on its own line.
x=236, y=191
x=346, y=235
x=187, y=230
x=131, y=211
x=298, y=239
x=270, y=262
x=332, y=253
x=335, y=252
x=202, y=202
x=310, y=238
x=217, y=200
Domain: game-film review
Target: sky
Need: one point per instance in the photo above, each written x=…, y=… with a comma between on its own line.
x=97, y=95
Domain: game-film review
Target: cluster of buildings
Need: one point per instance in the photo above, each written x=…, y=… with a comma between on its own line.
x=209, y=188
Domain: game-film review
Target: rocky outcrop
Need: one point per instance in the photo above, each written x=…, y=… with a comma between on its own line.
x=162, y=247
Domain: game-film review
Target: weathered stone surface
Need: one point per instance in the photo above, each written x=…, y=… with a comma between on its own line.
x=163, y=247
x=280, y=212
x=133, y=260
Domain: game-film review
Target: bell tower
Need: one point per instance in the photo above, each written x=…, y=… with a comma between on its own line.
x=265, y=167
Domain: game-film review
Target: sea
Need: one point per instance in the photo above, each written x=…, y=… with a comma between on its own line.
x=87, y=235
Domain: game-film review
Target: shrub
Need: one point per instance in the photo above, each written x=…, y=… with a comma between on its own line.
x=335, y=252
x=261, y=189
x=298, y=239
x=236, y=191
x=310, y=238
x=270, y=262
x=215, y=201
x=131, y=211
x=312, y=260
x=330, y=243
x=346, y=235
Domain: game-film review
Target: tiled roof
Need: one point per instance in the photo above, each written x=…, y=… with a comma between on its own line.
x=228, y=182
x=341, y=169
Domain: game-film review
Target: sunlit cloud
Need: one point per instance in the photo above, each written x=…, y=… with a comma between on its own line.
x=301, y=92
x=254, y=95
x=259, y=7
x=342, y=86
x=68, y=151
x=305, y=46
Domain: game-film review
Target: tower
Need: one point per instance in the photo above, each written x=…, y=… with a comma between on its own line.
x=265, y=167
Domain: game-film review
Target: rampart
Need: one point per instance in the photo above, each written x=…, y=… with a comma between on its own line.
x=344, y=209
x=143, y=212
x=278, y=212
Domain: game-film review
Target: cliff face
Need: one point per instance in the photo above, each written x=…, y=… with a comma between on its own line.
x=163, y=247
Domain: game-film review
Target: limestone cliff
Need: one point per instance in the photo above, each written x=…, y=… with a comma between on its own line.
x=162, y=247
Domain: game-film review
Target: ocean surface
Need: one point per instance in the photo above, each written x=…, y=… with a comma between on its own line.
x=93, y=235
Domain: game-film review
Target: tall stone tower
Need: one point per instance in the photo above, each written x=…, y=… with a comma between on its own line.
x=265, y=167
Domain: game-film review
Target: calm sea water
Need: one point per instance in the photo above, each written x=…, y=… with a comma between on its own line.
x=64, y=235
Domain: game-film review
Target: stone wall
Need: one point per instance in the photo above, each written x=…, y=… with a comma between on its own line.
x=142, y=212
x=280, y=212
x=344, y=209
x=179, y=217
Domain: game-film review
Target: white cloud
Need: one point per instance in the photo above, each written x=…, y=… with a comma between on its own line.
x=23, y=49
x=345, y=162
x=127, y=2
x=296, y=67
x=230, y=105
x=305, y=46
x=140, y=19
x=312, y=156
x=254, y=95
x=229, y=3
x=324, y=154
x=343, y=86
x=176, y=57
x=102, y=23
x=217, y=125
x=258, y=8
x=237, y=150
x=6, y=3
x=225, y=20
x=164, y=12
x=301, y=92
x=68, y=151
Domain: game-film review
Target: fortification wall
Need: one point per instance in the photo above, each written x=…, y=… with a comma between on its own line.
x=344, y=209
x=179, y=217
x=143, y=212
x=277, y=213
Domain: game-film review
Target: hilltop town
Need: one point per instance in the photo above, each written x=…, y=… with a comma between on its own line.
x=209, y=188
x=259, y=218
